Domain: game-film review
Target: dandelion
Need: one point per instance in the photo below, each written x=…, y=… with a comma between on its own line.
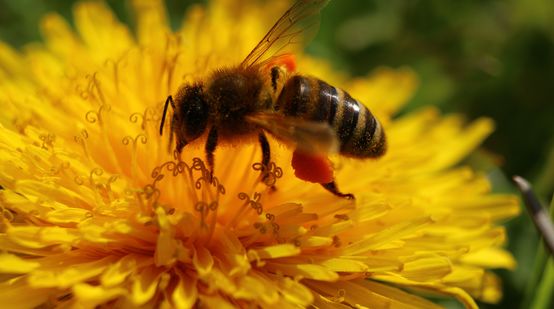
x=96, y=211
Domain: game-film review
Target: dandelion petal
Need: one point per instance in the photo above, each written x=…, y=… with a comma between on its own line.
x=12, y=264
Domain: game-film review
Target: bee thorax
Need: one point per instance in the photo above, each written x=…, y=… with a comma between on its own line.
x=233, y=94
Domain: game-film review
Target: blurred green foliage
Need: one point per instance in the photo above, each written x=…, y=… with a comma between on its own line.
x=492, y=58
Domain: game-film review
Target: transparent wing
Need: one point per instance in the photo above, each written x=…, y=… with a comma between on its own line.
x=306, y=136
x=299, y=24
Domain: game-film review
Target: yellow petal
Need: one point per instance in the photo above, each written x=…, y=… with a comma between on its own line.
x=396, y=296
x=322, y=302
x=315, y=241
x=118, y=272
x=100, y=30
x=490, y=258
x=294, y=291
x=344, y=265
x=144, y=285
x=10, y=60
x=151, y=23
x=459, y=147
x=203, y=260
x=90, y=296
x=370, y=294
x=59, y=36
x=334, y=229
x=309, y=271
x=185, y=293
x=427, y=268
x=436, y=287
x=384, y=91
x=492, y=289
x=40, y=237
x=257, y=286
x=385, y=236
x=207, y=301
x=273, y=252
x=68, y=215
x=218, y=280
x=166, y=245
x=18, y=294
x=12, y=264
x=63, y=276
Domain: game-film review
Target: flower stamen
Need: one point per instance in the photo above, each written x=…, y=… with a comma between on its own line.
x=47, y=141
x=81, y=140
x=143, y=139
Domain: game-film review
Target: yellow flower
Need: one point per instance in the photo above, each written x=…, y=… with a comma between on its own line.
x=95, y=211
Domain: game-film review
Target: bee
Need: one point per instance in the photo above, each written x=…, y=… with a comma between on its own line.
x=263, y=95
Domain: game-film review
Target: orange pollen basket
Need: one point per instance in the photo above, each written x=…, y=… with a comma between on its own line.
x=312, y=168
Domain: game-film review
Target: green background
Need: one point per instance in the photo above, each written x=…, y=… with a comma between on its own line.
x=491, y=58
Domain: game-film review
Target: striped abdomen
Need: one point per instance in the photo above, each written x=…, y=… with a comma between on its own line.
x=359, y=133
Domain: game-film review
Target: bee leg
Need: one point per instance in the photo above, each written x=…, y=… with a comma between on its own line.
x=266, y=157
x=332, y=187
x=211, y=144
x=180, y=145
x=180, y=141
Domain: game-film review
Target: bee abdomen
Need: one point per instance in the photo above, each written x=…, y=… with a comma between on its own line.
x=360, y=134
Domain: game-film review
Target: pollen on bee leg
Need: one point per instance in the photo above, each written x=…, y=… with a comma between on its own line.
x=312, y=168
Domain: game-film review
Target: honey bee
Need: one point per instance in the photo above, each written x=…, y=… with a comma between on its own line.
x=263, y=95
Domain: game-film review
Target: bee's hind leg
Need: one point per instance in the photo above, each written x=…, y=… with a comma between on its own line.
x=316, y=169
x=266, y=157
x=332, y=187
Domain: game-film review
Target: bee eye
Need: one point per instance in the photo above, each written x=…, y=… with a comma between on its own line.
x=194, y=113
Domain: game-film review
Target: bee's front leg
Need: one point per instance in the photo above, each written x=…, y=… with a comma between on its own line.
x=211, y=144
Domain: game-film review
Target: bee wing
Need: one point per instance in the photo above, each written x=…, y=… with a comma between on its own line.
x=297, y=25
x=310, y=137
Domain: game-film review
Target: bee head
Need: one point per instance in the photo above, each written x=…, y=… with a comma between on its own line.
x=192, y=112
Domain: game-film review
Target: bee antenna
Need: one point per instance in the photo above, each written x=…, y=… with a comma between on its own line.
x=167, y=101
